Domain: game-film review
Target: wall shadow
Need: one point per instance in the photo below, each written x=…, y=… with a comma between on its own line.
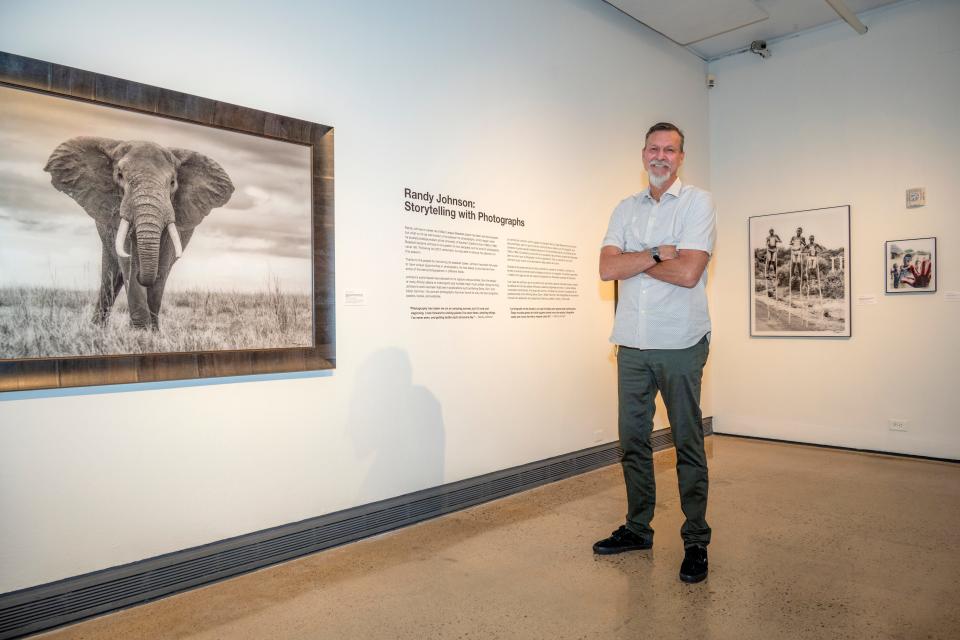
x=397, y=427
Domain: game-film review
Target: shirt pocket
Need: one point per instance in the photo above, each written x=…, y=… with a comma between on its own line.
x=674, y=232
x=633, y=238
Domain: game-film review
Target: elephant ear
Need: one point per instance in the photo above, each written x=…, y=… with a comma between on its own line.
x=82, y=168
x=203, y=185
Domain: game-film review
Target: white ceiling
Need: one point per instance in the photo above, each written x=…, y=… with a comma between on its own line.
x=712, y=29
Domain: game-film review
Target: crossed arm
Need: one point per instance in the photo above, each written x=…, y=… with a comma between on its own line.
x=682, y=268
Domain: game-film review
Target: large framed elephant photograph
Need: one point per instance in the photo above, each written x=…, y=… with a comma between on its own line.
x=148, y=234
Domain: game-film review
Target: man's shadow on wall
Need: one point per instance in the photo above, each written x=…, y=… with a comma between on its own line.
x=397, y=426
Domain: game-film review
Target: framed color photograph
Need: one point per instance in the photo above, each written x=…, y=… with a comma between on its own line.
x=799, y=273
x=147, y=234
x=911, y=265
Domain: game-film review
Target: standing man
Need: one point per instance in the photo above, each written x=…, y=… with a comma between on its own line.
x=773, y=241
x=657, y=245
x=770, y=266
x=814, y=249
x=797, y=247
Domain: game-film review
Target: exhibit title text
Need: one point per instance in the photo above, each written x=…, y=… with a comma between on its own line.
x=430, y=204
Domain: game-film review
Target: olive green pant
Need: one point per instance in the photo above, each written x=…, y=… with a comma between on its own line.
x=676, y=374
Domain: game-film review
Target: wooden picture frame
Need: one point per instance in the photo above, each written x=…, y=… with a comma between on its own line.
x=314, y=142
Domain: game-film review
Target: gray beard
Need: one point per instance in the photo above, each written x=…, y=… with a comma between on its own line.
x=657, y=181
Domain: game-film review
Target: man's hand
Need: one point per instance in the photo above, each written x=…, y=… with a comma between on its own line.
x=668, y=252
x=684, y=271
x=682, y=268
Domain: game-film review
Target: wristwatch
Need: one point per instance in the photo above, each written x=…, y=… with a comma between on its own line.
x=655, y=254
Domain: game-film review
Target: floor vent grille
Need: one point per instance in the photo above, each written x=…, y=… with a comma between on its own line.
x=38, y=608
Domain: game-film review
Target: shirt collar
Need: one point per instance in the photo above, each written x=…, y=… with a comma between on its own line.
x=674, y=190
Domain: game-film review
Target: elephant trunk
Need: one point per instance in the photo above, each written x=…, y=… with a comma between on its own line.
x=148, y=251
x=151, y=213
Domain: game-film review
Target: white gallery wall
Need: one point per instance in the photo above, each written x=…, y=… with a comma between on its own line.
x=835, y=118
x=535, y=109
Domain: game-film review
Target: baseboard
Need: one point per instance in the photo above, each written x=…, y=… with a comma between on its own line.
x=57, y=603
x=837, y=447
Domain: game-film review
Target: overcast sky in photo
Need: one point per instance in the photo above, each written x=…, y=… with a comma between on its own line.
x=828, y=225
x=47, y=239
x=915, y=245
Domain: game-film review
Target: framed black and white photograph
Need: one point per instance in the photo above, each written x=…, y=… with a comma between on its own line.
x=799, y=273
x=147, y=234
x=911, y=265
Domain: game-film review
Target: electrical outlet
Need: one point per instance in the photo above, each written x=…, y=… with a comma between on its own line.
x=899, y=425
x=598, y=436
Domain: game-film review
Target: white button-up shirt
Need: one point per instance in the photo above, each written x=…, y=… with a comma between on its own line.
x=652, y=314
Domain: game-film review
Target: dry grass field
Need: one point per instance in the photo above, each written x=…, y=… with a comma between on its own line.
x=42, y=322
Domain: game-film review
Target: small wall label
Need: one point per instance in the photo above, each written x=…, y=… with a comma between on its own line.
x=355, y=298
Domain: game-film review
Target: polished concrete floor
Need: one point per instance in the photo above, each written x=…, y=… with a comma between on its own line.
x=808, y=543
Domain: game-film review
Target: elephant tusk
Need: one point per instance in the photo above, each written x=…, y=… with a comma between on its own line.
x=121, y=236
x=175, y=237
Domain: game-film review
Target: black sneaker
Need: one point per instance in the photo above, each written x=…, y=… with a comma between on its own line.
x=621, y=540
x=694, y=567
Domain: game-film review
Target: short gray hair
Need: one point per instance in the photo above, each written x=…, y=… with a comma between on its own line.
x=665, y=126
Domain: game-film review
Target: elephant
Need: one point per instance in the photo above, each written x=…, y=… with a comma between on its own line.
x=146, y=201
